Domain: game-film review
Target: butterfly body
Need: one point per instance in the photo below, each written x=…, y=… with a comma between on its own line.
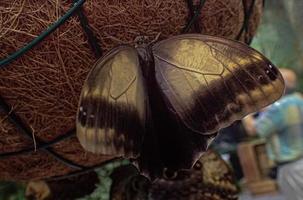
x=163, y=104
x=177, y=147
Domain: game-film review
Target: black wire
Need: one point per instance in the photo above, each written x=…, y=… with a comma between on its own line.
x=80, y=172
x=40, y=146
x=191, y=15
x=247, y=15
x=194, y=13
x=76, y=5
x=18, y=123
x=92, y=39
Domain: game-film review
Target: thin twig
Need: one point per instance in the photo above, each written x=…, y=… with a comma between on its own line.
x=34, y=139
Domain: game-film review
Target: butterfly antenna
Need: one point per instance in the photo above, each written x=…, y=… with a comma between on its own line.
x=155, y=40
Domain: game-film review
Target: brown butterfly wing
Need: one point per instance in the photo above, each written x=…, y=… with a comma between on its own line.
x=210, y=82
x=111, y=115
x=218, y=178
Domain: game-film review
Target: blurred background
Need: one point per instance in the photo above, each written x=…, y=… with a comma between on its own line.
x=280, y=38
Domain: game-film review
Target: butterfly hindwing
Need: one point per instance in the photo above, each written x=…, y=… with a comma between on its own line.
x=210, y=82
x=111, y=115
x=217, y=173
x=210, y=178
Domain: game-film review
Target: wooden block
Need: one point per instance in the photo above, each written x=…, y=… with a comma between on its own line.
x=248, y=160
x=262, y=187
x=262, y=160
x=254, y=160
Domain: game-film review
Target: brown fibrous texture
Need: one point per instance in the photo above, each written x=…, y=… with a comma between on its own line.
x=43, y=86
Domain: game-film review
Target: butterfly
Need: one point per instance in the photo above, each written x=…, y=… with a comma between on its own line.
x=162, y=104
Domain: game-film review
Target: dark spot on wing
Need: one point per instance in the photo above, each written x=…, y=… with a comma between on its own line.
x=271, y=71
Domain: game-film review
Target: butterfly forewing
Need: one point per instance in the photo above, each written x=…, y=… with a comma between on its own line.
x=210, y=82
x=111, y=115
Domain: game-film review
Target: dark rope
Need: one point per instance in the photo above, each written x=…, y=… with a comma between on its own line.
x=247, y=14
x=194, y=14
x=92, y=39
x=81, y=172
x=18, y=123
